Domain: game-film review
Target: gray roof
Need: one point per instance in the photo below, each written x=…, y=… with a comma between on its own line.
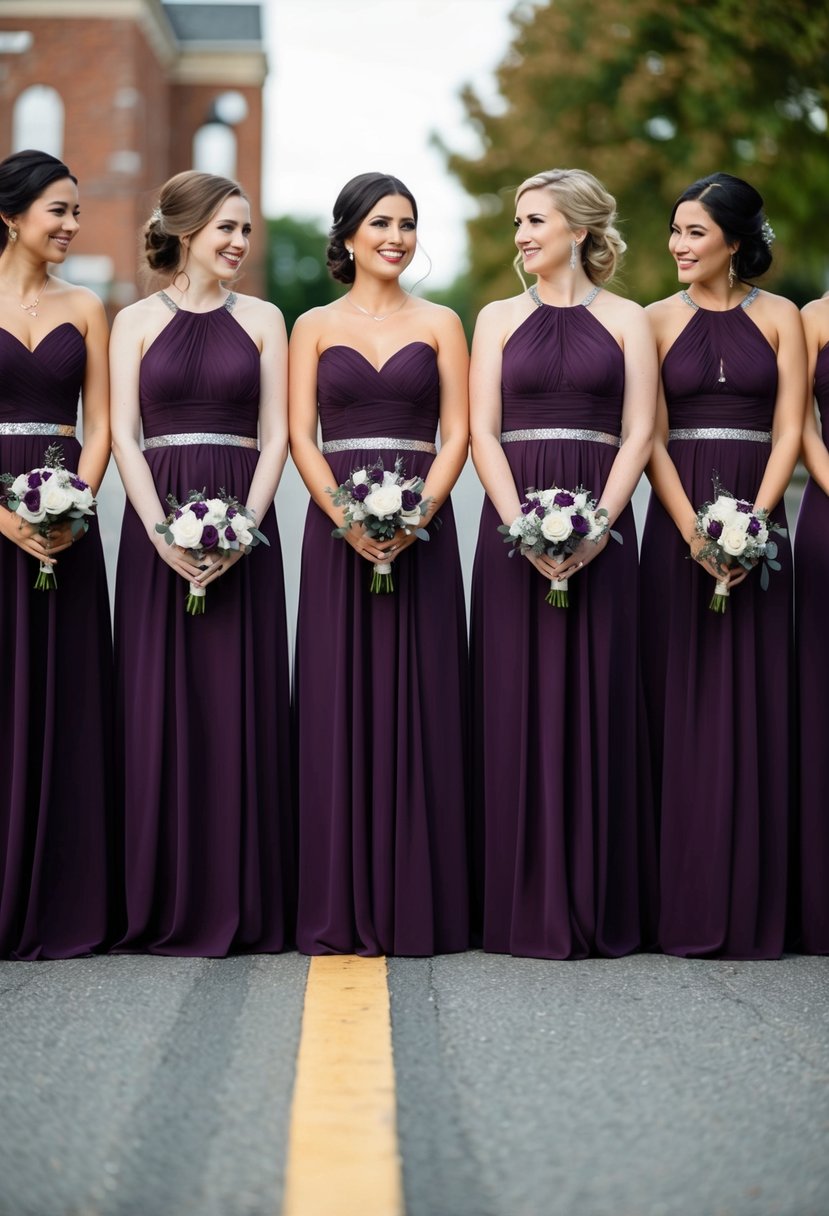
x=207, y=23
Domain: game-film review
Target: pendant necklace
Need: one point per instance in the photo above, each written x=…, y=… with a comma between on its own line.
x=366, y=312
x=31, y=309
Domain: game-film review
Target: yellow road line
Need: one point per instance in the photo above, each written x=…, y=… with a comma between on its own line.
x=343, y=1158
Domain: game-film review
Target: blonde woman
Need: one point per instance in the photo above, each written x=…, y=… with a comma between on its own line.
x=562, y=388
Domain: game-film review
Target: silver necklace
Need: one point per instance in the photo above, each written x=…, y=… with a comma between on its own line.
x=366, y=312
x=31, y=309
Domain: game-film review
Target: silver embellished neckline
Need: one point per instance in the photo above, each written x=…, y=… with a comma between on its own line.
x=173, y=307
x=585, y=303
x=746, y=302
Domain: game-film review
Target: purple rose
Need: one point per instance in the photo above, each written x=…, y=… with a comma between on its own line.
x=540, y=512
x=35, y=480
x=753, y=526
x=563, y=499
x=410, y=500
x=527, y=508
x=229, y=533
x=46, y=474
x=714, y=529
x=178, y=513
x=77, y=484
x=31, y=501
x=209, y=537
x=200, y=509
x=580, y=525
x=360, y=492
x=744, y=507
x=231, y=512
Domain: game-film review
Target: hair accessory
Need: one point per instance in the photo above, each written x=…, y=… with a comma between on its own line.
x=12, y=234
x=767, y=233
x=156, y=217
x=732, y=274
x=573, y=256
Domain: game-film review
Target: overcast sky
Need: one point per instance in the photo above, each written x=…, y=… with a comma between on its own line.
x=358, y=85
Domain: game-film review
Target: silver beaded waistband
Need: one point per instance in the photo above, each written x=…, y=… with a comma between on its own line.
x=720, y=432
x=196, y=437
x=37, y=428
x=560, y=432
x=379, y=442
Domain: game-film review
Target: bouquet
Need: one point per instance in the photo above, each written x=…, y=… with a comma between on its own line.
x=383, y=502
x=48, y=496
x=735, y=534
x=201, y=525
x=556, y=522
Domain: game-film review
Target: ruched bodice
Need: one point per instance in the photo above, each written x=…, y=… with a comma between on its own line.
x=720, y=372
x=562, y=368
x=822, y=390
x=42, y=385
x=401, y=399
x=200, y=374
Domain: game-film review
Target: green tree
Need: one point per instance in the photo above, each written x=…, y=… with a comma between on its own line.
x=297, y=278
x=649, y=95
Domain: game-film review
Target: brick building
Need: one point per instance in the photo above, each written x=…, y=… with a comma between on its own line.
x=128, y=92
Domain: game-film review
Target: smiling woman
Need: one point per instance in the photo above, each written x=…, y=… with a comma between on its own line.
x=55, y=662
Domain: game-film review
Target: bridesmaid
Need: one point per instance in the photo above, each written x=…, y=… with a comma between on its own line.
x=380, y=679
x=562, y=387
x=811, y=599
x=719, y=687
x=202, y=702
x=56, y=657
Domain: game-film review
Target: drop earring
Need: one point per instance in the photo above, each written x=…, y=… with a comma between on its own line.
x=731, y=272
x=350, y=253
x=573, y=256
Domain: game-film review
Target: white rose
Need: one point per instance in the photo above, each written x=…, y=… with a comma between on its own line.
x=245, y=537
x=410, y=519
x=385, y=500
x=32, y=517
x=580, y=501
x=734, y=540
x=389, y=477
x=357, y=512
x=83, y=498
x=216, y=511
x=20, y=485
x=187, y=530
x=359, y=478
x=54, y=498
x=556, y=526
x=239, y=524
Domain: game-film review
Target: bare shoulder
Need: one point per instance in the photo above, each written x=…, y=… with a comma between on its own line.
x=257, y=307
x=505, y=315
x=777, y=306
x=619, y=307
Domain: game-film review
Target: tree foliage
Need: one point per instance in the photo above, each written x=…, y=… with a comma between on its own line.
x=650, y=95
x=296, y=275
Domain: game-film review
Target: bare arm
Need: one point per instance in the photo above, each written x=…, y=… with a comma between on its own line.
x=814, y=453
x=789, y=408
x=453, y=368
x=486, y=411
x=96, y=429
x=638, y=414
x=273, y=413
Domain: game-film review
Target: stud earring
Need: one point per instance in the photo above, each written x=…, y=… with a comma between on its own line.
x=731, y=272
x=573, y=256
x=12, y=234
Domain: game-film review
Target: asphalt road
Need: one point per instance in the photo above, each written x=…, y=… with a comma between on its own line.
x=647, y=1086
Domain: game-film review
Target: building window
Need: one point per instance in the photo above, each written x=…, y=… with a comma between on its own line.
x=38, y=120
x=214, y=149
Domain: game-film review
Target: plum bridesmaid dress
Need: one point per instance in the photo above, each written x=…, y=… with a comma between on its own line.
x=719, y=687
x=203, y=702
x=56, y=839
x=380, y=692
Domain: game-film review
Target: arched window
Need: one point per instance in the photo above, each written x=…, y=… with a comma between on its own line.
x=37, y=121
x=214, y=149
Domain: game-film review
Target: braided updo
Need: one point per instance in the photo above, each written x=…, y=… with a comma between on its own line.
x=185, y=205
x=583, y=201
x=353, y=204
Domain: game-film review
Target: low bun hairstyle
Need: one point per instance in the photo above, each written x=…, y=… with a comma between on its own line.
x=23, y=178
x=737, y=208
x=583, y=201
x=353, y=204
x=185, y=205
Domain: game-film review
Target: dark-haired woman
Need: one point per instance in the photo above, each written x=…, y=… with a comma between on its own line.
x=379, y=679
x=719, y=686
x=56, y=657
x=811, y=598
x=563, y=388
x=203, y=704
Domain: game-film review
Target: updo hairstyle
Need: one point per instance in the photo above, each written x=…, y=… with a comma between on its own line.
x=354, y=202
x=584, y=203
x=23, y=178
x=185, y=205
x=737, y=208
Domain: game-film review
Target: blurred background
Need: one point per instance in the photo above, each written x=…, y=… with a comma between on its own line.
x=462, y=99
